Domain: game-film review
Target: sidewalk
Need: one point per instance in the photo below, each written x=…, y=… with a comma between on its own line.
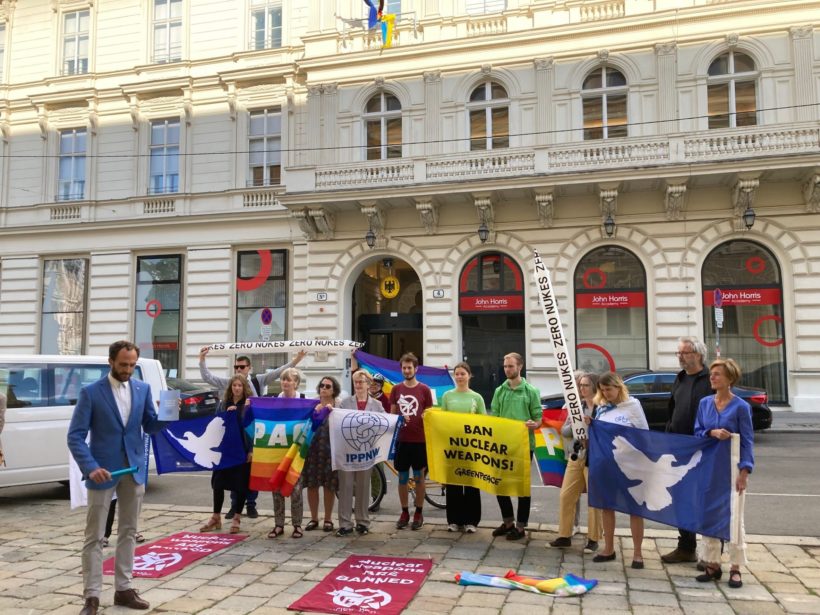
x=786, y=420
x=40, y=570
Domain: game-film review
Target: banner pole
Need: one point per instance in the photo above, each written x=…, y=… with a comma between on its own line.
x=560, y=349
x=735, y=519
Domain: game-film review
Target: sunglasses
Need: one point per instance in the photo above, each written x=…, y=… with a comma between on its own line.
x=325, y=385
x=241, y=366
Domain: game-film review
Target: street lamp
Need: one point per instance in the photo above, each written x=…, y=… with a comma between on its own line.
x=749, y=217
x=483, y=233
x=370, y=238
x=609, y=226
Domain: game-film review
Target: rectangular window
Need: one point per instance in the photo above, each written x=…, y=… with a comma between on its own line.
x=265, y=147
x=500, y=117
x=745, y=103
x=266, y=24
x=479, y=7
x=262, y=302
x=593, y=118
x=157, y=309
x=62, y=325
x=718, y=96
x=164, y=171
x=616, y=125
x=75, y=42
x=478, y=129
x=71, y=176
x=167, y=27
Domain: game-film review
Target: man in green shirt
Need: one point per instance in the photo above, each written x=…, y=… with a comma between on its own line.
x=516, y=399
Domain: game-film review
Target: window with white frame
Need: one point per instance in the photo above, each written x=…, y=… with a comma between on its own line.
x=71, y=172
x=266, y=24
x=603, y=97
x=167, y=30
x=158, y=309
x=382, y=119
x=732, y=91
x=62, y=323
x=265, y=147
x=489, y=110
x=164, y=158
x=480, y=7
x=75, y=42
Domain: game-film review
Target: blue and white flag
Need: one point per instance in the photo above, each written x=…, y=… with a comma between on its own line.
x=678, y=480
x=359, y=440
x=204, y=443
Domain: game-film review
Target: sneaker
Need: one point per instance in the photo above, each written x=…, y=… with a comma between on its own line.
x=561, y=543
x=516, y=533
x=591, y=546
x=362, y=529
x=403, y=521
x=679, y=556
x=502, y=530
x=453, y=527
x=230, y=513
x=470, y=529
x=251, y=511
x=418, y=521
x=344, y=531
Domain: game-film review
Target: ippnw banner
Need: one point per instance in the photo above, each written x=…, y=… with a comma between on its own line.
x=367, y=584
x=487, y=452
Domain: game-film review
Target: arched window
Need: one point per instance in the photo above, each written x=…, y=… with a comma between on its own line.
x=732, y=91
x=604, y=101
x=489, y=110
x=382, y=118
x=610, y=311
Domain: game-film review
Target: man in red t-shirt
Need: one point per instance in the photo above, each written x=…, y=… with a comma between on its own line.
x=410, y=399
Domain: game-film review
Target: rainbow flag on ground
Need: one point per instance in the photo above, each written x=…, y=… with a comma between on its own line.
x=549, y=448
x=277, y=422
x=568, y=585
x=438, y=379
x=289, y=470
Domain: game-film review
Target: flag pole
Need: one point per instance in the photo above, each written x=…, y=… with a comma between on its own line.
x=736, y=515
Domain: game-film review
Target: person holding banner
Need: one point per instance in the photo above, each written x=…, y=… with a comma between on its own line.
x=318, y=470
x=463, y=503
x=719, y=416
x=377, y=391
x=516, y=399
x=614, y=405
x=356, y=484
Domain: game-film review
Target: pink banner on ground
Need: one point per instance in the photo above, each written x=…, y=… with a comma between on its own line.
x=163, y=557
x=367, y=584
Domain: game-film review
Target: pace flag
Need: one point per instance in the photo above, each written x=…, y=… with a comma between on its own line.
x=437, y=378
x=203, y=443
x=549, y=448
x=359, y=440
x=679, y=480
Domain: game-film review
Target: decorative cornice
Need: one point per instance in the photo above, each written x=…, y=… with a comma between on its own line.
x=675, y=200
x=324, y=221
x=306, y=224
x=545, y=204
x=484, y=207
x=811, y=192
x=433, y=76
x=134, y=112
x=375, y=216
x=666, y=49
x=743, y=194
x=428, y=213
x=801, y=31
x=608, y=201
x=543, y=63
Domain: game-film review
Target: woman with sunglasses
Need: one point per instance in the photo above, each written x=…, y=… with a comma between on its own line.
x=318, y=471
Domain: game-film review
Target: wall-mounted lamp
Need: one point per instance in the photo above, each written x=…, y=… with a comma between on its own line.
x=609, y=226
x=749, y=217
x=483, y=233
x=370, y=238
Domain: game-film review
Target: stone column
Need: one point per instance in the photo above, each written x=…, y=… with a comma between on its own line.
x=802, y=56
x=432, y=117
x=543, y=93
x=313, y=130
x=666, y=55
x=329, y=126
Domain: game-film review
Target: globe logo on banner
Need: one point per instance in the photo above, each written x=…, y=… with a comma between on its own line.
x=361, y=431
x=348, y=597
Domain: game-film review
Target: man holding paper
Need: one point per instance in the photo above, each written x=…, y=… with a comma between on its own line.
x=115, y=410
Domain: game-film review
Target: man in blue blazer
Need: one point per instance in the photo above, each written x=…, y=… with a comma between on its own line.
x=115, y=410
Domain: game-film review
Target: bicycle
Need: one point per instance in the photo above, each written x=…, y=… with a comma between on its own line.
x=434, y=491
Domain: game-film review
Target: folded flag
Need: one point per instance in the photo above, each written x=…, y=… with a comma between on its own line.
x=679, y=480
x=277, y=422
x=568, y=585
x=203, y=443
x=359, y=440
x=549, y=448
x=438, y=379
x=289, y=470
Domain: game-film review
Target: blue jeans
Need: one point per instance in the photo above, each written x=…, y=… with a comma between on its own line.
x=249, y=501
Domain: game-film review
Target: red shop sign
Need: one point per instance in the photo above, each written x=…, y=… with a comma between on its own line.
x=634, y=299
x=491, y=303
x=745, y=296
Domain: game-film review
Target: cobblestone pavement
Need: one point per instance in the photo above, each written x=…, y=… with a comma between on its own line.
x=40, y=570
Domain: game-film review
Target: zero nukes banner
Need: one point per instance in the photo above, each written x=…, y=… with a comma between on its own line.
x=474, y=450
x=283, y=346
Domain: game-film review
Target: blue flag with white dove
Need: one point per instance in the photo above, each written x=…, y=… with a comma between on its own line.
x=678, y=480
x=203, y=443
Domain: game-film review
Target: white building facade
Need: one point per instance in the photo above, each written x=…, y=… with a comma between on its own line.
x=182, y=172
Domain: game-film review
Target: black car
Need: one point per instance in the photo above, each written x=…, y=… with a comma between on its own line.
x=653, y=390
x=197, y=400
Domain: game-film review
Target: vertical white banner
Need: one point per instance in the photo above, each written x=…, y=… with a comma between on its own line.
x=736, y=512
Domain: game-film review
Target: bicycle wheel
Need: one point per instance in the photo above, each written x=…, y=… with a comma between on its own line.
x=378, y=488
x=434, y=492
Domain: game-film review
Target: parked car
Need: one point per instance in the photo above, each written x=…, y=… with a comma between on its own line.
x=197, y=399
x=653, y=390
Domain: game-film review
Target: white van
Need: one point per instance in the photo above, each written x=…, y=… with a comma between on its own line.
x=40, y=392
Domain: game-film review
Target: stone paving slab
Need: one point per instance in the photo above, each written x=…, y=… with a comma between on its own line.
x=40, y=547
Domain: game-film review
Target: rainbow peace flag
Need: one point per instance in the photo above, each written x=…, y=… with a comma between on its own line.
x=437, y=378
x=289, y=470
x=549, y=448
x=277, y=422
x=568, y=585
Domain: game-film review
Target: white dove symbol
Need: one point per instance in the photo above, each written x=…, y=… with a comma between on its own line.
x=656, y=476
x=202, y=446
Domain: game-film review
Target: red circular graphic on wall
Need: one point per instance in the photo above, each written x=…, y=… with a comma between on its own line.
x=589, y=272
x=600, y=349
x=153, y=308
x=756, y=331
x=755, y=265
x=265, y=266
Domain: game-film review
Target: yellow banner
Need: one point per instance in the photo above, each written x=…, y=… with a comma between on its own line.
x=474, y=450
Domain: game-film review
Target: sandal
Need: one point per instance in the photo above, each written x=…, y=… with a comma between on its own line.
x=235, y=524
x=277, y=531
x=297, y=532
x=712, y=573
x=214, y=523
x=312, y=525
x=734, y=579
x=328, y=526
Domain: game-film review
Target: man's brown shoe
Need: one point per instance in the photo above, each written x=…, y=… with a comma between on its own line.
x=131, y=599
x=679, y=556
x=91, y=606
